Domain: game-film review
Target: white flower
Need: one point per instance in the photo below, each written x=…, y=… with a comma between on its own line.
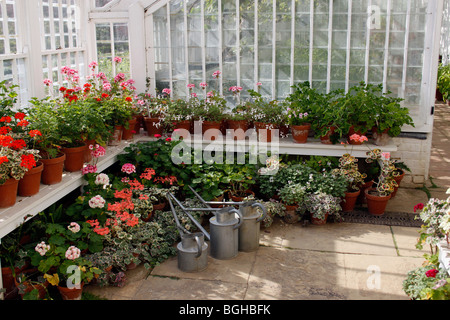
x=448, y=191
x=42, y=248
x=97, y=202
x=102, y=178
x=73, y=253
x=74, y=227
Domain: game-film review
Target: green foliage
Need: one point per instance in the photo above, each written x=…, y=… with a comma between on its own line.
x=443, y=81
x=420, y=286
x=293, y=194
x=8, y=98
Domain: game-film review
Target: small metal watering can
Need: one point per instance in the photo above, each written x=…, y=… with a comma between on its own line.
x=249, y=232
x=192, y=250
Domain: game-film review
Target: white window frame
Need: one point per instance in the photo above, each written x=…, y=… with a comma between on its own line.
x=431, y=52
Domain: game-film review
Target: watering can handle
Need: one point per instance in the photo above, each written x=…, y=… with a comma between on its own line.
x=241, y=218
x=264, y=210
x=199, y=247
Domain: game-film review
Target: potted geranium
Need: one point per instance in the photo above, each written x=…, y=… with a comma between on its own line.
x=359, y=108
x=267, y=116
x=155, y=110
x=15, y=160
x=238, y=121
x=378, y=197
x=348, y=168
x=321, y=205
x=42, y=116
x=390, y=117
x=59, y=258
x=211, y=113
x=293, y=197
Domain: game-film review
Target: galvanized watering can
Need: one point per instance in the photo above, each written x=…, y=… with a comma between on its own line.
x=249, y=232
x=231, y=230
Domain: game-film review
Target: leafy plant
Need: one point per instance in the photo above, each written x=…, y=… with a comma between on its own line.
x=443, y=80
x=427, y=282
x=348, y=168
x=293, y=194
x=321, y=203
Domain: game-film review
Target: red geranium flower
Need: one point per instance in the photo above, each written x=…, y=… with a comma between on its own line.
x=20, y=116
x=5, y=130
x=431, y=273
x=23, y=123
x=129, y=99
x=418, y=206
x=34, y=133
x=18, y=144
x=3, y=159
x=28, y=161
x=5, y=141
x=5, y=119
x=62, y=89
x=105, y=95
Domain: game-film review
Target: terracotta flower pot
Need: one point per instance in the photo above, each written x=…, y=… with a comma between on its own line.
x=127, y=134
x=380, y=138
x=53, y=169
x=326, y=139
x=74, y=158
x=290, y=215
x=240, y=198
x=398, y=179
x=319, y=222
x=9, y=285
x=300, y=133
x=71, y=293
x=362, y=195
x=351, y=132
x=87, y=152
x=376, y=204
x=284, y=131
x=8, y=192
x=153, y=126
x=30, y=286
x=349, y=201
x=211, y=130
x=217, y=199
x=184, y=124
x=265, y=131
x=239, y=126
x=138, y=124
x=30, y=184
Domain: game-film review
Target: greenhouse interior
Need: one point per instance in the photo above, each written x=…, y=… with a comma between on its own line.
x=201, y=150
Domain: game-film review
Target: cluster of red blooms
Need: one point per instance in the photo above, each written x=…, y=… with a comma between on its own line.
x=7, y=141
x=69, y=94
